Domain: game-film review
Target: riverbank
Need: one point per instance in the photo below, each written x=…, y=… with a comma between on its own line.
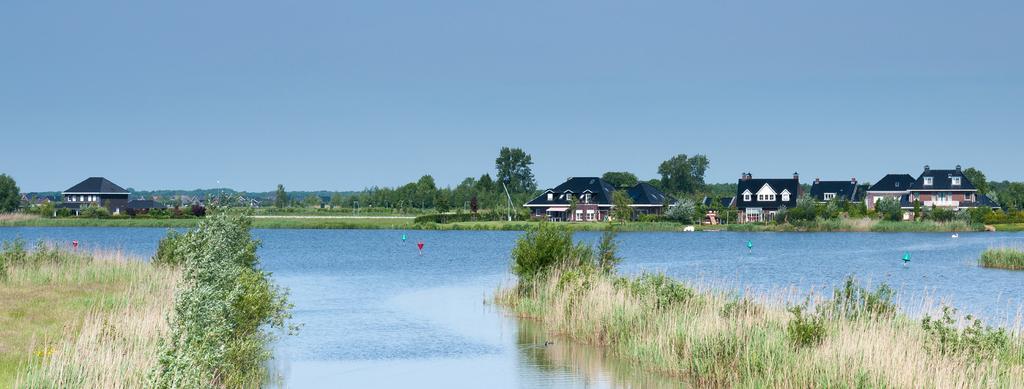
x=399, y=223
x=96, y=317
x=856, y=338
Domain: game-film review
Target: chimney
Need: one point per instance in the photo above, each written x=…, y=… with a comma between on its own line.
x=957, y=168
x=817, y=180
x=796, y=176
x=927, y=168
x=853, y=180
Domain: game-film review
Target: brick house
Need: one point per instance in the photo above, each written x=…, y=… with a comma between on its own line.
x=892, y=186
x=944, y=189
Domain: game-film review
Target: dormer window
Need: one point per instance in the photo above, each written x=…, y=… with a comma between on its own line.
x=829, y=196
x=785, y=195
x=956, y=180
x=551, y=196
x=928, y=181
x=746, y=195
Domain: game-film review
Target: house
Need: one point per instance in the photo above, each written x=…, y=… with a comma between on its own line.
x=944, y=189
x=759, y=199
x=825, y=191
x=593, y=198
x=893, y=186
x=143, y=206
x=97, y=191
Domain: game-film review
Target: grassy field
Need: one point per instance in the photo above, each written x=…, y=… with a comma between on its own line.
x=1002, y=258
x=327, y=222
x=1010, y=227
x=856, y=338
x=58, y=309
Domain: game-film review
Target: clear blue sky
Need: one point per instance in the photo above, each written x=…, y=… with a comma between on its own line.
x=342, y=95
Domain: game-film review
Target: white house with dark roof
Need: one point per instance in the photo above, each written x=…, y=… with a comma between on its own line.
x=593, y=197
x=759, y=199
x=97, y=191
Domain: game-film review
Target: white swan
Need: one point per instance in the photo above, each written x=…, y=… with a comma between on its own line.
x=954, y=236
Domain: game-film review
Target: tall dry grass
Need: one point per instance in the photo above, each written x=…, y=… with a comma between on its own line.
x=123, y=303
x=711, y=339
x=16, y=217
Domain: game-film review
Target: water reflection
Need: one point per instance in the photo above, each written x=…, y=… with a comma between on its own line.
x=591, y=365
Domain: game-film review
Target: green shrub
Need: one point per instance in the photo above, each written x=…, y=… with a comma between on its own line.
x=889, y=209
x=607, y=259
x=662, y=291
x=169, y=250
x=544, y=247
x=975, y=340
x=853, y=301
x=740, y=307
x=219, y=335
x=685, y=211
x=805, y=329
x=13, y=253
x=94, y=212
x=941, y=214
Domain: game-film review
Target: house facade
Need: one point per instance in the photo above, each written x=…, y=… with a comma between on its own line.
x=942, y=188
x=593, y=200
x=892, y=186
x=759, y=199
x=96, y=191
x=825, y=191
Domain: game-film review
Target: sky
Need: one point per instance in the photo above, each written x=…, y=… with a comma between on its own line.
x=341, y=95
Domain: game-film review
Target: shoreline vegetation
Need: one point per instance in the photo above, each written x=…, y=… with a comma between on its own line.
x=299, y=222
x=857, y=337
x=200, y=314
x=1008, y=258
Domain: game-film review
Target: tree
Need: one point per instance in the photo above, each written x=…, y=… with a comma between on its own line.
x=620, y=179
x=441, y=203
x=426, y=190
x=977, y=178
x=336, y=200
x=685, y=211
x=10, y=198
x=485, y=184
x=281, y=197
x=513, y=166
x=311, y=201
x=889, y=208
x=681, y=174
x=607, y=259
x=474, y=205
x=621, y=206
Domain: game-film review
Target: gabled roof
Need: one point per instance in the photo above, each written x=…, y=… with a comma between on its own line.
x=942, y=180
x=96, y=185
x=846, y=189
x=893, y=183
x=724, y=202
x=646, y=194
x=600, y=190
x=753, y=185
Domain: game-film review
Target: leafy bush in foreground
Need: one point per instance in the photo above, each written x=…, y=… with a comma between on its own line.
x=168, y=251
x=216, y=336
x=544, y=247
x=975, y=340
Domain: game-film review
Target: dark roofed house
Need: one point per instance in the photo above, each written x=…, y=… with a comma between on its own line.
x=143, y=206
x=945, y=189
x=824, y=191
x=97, y=191
x=759, y=199
x=893, y=186
x=723, y=202
x=593, y=197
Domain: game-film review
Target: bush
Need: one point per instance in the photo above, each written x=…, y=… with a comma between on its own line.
x=198, y=210
x=1002, y=258
x=683, y=212
x=94, y=212
x=975, y=340
x=607, y=259
x=168, y=251
x=544, y=247
x=889, y=209
x=806, y=209
x=662, y=291
x=853, y=301
x=941, y=214
x=218, y=336
x=805, y=329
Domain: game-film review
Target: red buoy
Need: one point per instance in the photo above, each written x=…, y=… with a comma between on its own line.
x=420, y=245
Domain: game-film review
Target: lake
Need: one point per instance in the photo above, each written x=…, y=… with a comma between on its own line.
x=376, y=313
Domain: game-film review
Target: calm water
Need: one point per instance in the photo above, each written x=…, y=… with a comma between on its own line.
x=377, y=314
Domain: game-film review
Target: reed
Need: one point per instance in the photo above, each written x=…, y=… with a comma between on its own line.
x=1002, y=258
x=711, y=339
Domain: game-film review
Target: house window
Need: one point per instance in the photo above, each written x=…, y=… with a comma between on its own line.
x=579, y=214
x=956, y=180
x=785, y=197
x=829, y=196
x=586, y=198
x=551, y=197
x=928, y=181
x=590, y=214
x=765, y=197
x=746, y=197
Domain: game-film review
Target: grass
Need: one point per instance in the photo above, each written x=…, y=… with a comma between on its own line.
x=710, y=339
x=1002, y=258
x=300, y=222
x=1009, y=227
x=81, y=319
